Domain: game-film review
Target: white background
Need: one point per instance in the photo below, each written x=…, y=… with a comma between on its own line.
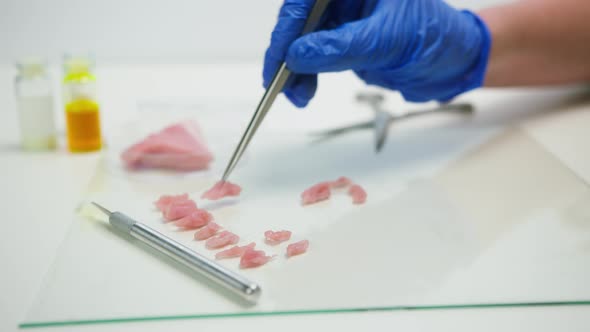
x=126, y=31
x=195, y=31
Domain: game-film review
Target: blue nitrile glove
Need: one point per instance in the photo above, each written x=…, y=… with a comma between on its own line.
x=425, y=49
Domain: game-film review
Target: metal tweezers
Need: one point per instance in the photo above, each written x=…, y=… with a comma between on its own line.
x=382, y=118
x=275, y=87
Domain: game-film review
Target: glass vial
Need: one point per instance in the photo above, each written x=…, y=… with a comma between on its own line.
x=81, y=106
x=34, y=102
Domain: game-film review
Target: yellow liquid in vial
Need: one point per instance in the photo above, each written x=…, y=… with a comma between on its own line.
x=83, y=126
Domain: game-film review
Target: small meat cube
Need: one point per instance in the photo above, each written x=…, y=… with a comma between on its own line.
x=316, y=193
x=274, y=238
x=253, y=258
x=224, y=238
x=196, y=219
x=297, y=248
x=341, y=182
x=358, y=194
x=206, y=232
x=165, y=200
x=179, y=209
x=235, y=251
x=222, y=189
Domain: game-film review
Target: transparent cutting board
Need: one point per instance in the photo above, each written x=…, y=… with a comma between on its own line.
x=456, y=217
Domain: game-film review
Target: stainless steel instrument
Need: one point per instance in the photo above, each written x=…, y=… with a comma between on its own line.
x=275, y=87
x=382, y=118
x=224, y=277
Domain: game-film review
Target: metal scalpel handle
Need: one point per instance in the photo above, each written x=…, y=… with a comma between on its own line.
x=224, y=277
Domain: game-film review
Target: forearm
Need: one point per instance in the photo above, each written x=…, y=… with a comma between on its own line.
x=539, y=42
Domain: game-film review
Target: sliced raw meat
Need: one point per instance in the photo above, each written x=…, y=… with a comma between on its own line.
x=224, y=238
x=222, y=189
x=253, y=258
x=173, y=161
x=358, y=194
x=316, y=193
x=196, y=219
x=341, y=182
x=297, y=248
x=180, y=146
x=179, y=209
x=165, y=200
x=235, y=251
x=274, y=238
x=206, y=232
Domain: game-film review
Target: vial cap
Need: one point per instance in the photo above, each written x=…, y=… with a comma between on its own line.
x=77, y=65
x=31, y=66
x=78, y=68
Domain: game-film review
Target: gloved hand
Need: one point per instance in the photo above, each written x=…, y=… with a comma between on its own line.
x=425, y=49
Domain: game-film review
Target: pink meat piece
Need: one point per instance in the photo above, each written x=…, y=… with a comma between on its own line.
x=180, y=146
x=224, y=238
x=222, y=189
x=206, y=232
x=179, y=209
x=316, y=193
x=297, y=248
x=196, y=219
x=253, y=258
x=341, y=182
x=235, y=251
x=274, y=238
x=165, y=200
x=358, y=194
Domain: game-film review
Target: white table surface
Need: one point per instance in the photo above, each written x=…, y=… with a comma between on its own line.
x=38, y=190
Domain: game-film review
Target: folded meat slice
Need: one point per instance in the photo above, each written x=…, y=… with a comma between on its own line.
x=297, y=248
x=221, y=240
x=253, y=258
x=274, y=238
x=208, y=231
x=165, y=200
x=341, y=182
x=222, y=189
x=179, y=209
x=316, y=193
x=322, y=191
x=180, y=146
x=194, y=220
x=235, y=251
x=358, y=194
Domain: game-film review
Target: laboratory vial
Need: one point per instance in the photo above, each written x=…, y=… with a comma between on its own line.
x=34, y=102
x=81, y=106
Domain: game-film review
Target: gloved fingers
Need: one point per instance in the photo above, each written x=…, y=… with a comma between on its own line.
x=343, y=48
x=344, y=11
x=292, y=17
x=423, y=93
x=374, y=78
x=301, y=89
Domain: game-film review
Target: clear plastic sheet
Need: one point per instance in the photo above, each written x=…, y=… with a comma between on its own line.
x=455, y=218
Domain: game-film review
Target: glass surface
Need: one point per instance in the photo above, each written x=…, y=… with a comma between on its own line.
x=456, y=217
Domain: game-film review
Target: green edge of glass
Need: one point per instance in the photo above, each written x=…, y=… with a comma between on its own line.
x=30, y=325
